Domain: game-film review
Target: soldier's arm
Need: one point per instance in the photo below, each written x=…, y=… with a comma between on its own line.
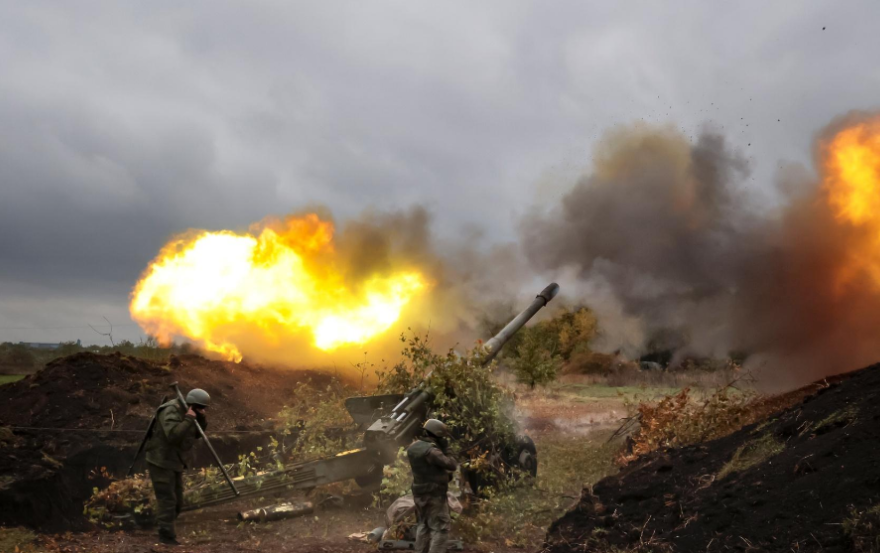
x=176, y=427
x=189, y=440
x=438, y=459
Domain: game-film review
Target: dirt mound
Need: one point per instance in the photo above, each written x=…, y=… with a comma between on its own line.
x=785, y=484
x=60, y=426
x=94, y=391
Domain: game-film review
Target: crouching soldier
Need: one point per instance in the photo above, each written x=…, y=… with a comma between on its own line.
x=432, y=470
x=173, y=435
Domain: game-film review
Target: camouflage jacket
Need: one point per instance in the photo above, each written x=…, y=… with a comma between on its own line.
x=431, y=468
x=173, y=435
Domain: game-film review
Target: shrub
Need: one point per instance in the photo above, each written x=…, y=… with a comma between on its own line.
x=396, y=479
x=318, y=416
x=679, y=419
x=478, y=412
x=534, y=365
x=417, y=361
x=121, y=499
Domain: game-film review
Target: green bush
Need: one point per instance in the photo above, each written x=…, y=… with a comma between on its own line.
x=534, y=364
x=318, y=416
x=396, y=479
x=478, y=412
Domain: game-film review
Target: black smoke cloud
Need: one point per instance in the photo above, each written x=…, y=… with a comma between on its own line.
x=665, y=237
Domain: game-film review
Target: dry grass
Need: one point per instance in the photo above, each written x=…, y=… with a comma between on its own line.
x=751, y=454
x=18, y=540
x=630, y=376
x=682, y=419
x=862, y=529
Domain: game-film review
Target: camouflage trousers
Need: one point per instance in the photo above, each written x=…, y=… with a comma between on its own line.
x=168, y=485
x=432, y=514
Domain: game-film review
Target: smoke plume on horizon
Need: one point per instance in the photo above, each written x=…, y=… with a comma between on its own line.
x=664, y=238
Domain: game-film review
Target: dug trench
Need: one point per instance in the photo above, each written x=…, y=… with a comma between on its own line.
x=793, y=482
x=77, y=423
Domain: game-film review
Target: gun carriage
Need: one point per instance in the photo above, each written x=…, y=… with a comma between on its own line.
x=391, y=422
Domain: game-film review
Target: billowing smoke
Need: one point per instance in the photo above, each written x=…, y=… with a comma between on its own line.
x=667, y=243
x=300, y=290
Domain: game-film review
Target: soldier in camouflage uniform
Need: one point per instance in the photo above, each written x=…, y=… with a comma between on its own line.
x=173, y=434
x=432, y=470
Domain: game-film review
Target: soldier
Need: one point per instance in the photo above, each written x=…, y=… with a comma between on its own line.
x=432, y=470
x=174, y=434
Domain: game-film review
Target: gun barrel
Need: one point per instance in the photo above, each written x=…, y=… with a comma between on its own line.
x=494, y=345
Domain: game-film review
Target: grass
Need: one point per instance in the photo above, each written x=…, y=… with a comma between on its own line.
x=628, y=376
x=862, y=529
x=603, y=391
x=519, y=516
x=751, y=454
x=845, y=416
x=9, y=378
x=18, y=540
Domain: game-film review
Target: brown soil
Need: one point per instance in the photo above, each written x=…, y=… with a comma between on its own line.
x=88, y=411
x=797, y=476
x=216, y=530
x=556, y=412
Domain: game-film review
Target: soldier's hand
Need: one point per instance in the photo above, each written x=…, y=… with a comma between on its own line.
x=191, y=413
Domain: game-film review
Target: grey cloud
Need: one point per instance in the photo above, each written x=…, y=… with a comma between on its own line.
x=122, y=124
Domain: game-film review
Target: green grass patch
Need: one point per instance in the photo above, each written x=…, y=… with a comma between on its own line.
x=9, y=378
x=521, y=514
x=751, y=454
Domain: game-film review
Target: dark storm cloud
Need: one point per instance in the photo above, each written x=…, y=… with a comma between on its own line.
x=122, y=124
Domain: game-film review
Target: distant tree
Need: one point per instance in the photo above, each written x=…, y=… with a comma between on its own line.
x=575, y=329
x=534, y=363
x=19, y=355
x=68, y=348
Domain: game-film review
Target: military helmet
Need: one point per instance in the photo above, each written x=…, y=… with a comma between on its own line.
x=436, y=428
x=197, y=397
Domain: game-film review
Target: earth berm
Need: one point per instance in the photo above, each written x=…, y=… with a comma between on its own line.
x=788, y=484
x=64, y=429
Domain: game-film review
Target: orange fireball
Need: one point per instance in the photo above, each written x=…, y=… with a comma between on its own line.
x=283, y=280
x=851, y=162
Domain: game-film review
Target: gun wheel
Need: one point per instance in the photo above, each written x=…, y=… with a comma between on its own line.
x=370, y=480
x=527, y=455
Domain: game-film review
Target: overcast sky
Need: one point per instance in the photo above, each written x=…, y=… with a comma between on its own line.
x=122, y=123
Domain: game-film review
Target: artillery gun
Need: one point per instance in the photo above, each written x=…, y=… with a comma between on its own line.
x=391, y=422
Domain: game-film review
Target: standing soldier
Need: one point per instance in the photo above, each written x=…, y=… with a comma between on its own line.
x=432, y=470
x=174, y=434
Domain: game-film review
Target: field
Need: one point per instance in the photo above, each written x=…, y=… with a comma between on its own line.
x=515, y=519
x=700, y=445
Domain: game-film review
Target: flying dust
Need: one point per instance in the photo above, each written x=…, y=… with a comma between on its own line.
x=671, y=248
